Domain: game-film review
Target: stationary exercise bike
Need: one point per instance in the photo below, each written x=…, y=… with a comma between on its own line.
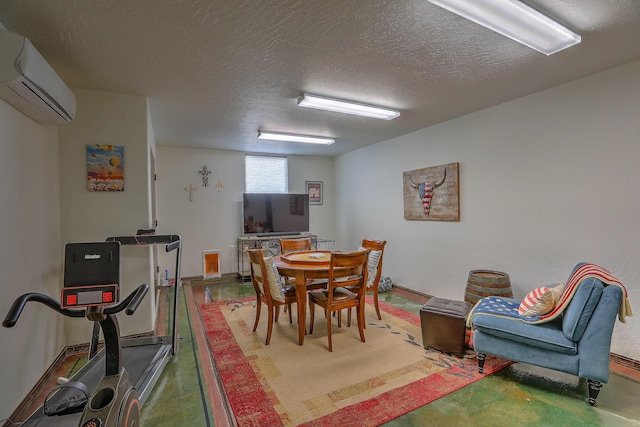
x=91, y=283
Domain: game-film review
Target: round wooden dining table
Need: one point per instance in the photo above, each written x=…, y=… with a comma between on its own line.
x=303, y=266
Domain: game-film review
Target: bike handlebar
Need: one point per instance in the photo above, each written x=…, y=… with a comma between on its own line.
x=130, y=303
x=173, y=245
x=18, y=305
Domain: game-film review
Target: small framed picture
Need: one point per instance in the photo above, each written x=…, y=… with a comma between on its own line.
x=211, y=264
x=314, y=190
x=105, y=167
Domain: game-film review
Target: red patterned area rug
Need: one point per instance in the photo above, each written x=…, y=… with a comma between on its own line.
x=358, y=384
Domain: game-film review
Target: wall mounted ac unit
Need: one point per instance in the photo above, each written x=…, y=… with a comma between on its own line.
x=29, y=83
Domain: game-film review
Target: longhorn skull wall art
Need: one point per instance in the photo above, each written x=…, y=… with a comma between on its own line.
x=432, y=193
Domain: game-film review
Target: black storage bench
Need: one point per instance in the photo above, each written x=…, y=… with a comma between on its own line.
x=443, y=325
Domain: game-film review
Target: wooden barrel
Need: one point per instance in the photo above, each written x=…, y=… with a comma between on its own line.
x=483, y=283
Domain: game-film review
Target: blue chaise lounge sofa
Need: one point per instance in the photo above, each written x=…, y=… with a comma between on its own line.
x=575, y=339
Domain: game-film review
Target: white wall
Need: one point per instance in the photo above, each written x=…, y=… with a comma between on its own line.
x=116, y=119
x=30, y=254
x=213, y=221
x=546, y=181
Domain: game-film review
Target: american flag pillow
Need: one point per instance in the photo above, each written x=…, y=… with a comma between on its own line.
x=531, y=300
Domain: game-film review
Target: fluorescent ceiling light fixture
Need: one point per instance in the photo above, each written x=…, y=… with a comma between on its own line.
x=515, y=20
x=289, y=137
x=347, y=107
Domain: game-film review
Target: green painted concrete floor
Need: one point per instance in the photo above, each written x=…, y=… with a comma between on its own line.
x=520, y=395
x=180, y=397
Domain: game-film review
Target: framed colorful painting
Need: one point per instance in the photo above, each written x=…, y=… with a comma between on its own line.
x=105, y=167
x=314, y=190
x=432, y=193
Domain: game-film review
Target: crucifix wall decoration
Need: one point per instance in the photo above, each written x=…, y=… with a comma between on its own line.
x=432, y=193
x=219, y=185
x=191, y=189
x=205, y=172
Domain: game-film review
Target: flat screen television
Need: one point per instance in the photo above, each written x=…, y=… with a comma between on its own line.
x=275, y=213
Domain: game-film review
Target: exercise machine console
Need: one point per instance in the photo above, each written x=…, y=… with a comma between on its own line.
x=91, y=290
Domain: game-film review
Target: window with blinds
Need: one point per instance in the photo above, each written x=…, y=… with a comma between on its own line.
x=266, y=174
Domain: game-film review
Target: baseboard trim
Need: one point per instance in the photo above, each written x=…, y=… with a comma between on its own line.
x=625, y=361
x=225, y=276
x=411, y=294
x=625, y=366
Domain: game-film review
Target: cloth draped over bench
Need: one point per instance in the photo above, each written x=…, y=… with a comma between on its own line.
x=501, y=307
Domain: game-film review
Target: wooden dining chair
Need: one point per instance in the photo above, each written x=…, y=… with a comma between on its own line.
x=293, y=245
x=268, y=290
x=374, y=270
x=296, y=245
x=346, y=269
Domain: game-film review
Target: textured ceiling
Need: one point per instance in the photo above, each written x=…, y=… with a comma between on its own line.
x=216, y=71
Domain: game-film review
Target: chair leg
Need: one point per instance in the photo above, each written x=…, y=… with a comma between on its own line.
x=375, y=302
x=360, y=319
x=481, y=358
x=329, y=331
x=258, y=307
x=594, y=389
x=364, y=323
x=285, y=309
x=270, y=325
x=339, y=318
x=312, y=311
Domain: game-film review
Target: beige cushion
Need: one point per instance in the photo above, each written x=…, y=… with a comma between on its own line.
x=540, y=301
x=372, y=267
x=274, y=284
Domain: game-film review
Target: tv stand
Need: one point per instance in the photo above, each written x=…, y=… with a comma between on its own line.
x=281, y=234
x=268, y=241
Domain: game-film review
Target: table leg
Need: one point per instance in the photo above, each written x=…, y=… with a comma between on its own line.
x=301, y=293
